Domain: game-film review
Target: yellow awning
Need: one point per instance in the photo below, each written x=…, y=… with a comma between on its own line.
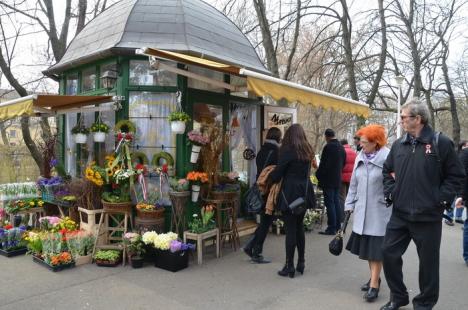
x=36, y=105
x=264, y=85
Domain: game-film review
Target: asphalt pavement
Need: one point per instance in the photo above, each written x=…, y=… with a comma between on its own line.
x=230, y=282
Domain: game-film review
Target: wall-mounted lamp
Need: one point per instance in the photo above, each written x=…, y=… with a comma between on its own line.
x=109, y=78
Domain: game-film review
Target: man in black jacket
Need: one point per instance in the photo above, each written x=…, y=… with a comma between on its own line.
x=332, y=161
x=463, y=200
x=422, y=175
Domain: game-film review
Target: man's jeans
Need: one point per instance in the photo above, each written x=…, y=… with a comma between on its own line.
x=458, y=212
x=331, y=198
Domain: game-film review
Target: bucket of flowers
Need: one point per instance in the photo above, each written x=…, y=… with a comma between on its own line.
x=135, y=249
x=171, y=254
x=99, y=130
x=205, y=222
x=197, y=139
x=311, y=218
x=196, y=179
x=12, y=241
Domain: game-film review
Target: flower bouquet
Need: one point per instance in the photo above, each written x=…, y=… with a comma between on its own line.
x=12, y=242
x=196, y=178
x=197, y=139
x=311, y=218
x=178, y=120
x=171, y=254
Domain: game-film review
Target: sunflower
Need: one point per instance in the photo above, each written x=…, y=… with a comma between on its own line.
x=97, y=175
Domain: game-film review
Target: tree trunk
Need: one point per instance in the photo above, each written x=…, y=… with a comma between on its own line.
x=453, y=103
x=348, y=51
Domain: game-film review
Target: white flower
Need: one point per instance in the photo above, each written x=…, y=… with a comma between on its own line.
x=149, y=237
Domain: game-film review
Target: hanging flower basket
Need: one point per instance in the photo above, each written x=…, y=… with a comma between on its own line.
x=99, y=137
x=178, y=127
x=80, y=138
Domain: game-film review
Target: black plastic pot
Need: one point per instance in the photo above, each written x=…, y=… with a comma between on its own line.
x=137, y=262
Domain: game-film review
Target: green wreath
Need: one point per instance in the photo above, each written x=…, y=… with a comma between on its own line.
x=125, y=125
x=140, y=158
x=165, y=155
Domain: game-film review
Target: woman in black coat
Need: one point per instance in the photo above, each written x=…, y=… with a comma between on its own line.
x=268, y=155
x=293, y=169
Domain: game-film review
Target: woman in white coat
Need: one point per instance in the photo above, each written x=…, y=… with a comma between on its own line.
x=366, y=200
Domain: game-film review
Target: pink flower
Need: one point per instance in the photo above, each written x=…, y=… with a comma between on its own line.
x=182, y=181
x=197, y=138
x=233, y=175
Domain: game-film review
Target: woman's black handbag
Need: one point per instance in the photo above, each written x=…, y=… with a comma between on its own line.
x=336, y=245
x=298, y=206
x=253, y=197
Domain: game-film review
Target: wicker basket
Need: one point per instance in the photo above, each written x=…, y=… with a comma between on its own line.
x=117, y=206
x=153, y=214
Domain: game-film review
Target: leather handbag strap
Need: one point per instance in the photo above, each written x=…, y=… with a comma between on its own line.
x=266, y=161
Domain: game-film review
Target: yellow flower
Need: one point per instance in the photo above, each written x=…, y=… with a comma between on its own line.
x=31, y=203
x=97, y=175
x=40, y=203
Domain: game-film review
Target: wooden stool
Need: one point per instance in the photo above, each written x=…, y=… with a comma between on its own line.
x=200, y=238
x=226, y=220
x=115, y=242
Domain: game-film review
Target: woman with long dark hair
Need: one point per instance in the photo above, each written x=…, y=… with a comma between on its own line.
x=293, y=169
x=268, y=155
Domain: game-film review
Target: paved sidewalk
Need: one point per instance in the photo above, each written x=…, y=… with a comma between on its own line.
x=230, y=282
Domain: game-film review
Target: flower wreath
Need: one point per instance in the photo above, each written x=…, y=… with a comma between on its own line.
x=165, y=155
x=139, y=158
x=125, y=125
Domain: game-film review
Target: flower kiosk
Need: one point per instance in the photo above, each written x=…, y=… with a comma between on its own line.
x=175, y=129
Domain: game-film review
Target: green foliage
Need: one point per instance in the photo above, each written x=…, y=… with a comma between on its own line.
x=107, y=255
x=179, y=185
x=100, y=127
x=79, y=128
x=125, y=126
x=196, y=225
x=179, y=116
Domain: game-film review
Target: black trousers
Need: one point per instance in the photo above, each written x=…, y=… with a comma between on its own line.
x=426, y=236
x=295, y=237
x=256, y=243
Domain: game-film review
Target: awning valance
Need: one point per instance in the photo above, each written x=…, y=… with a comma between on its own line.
x=264, y=85
x=37, y=105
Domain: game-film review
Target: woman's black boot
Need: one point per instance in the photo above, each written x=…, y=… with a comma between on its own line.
x=288, y=270
x=300, y=266
x=371, y=294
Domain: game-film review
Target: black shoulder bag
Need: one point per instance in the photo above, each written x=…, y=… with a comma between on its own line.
x=336, y=245
x=253, y=197
x=298, y=206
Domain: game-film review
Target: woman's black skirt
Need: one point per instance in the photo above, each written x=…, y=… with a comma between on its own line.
x=366, y=247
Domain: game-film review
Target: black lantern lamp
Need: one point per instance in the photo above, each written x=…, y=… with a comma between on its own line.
x=109, y=78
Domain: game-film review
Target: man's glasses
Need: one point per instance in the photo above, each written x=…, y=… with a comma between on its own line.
x=403, y=117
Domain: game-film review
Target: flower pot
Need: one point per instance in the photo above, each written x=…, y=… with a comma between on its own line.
x=83, y=260
x=178, y=127
x=80, y=138
x=195, y=152
x=117, y=206
x=171, y=261
x=137, y=261
x=151, y=214
x=15, y=252
x=195, y=192
x=99, y=136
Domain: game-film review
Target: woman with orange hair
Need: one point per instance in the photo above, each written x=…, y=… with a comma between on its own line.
x=366, y=200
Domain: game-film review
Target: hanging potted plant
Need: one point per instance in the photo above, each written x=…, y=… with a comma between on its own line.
x=196, y=179
x=99, y=130
x=178, y=120
x=198, y=140
x=80, y=132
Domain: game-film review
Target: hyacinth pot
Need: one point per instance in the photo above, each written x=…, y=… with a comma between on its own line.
x=80, y=138
x=178, y=127
x=171, y=261
x=99, y=137
x=195, y=152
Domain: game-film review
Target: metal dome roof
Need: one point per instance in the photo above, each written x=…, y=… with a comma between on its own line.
x=188, y=26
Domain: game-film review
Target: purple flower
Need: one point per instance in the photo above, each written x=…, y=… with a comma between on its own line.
x=53, y=162
x=175, y=246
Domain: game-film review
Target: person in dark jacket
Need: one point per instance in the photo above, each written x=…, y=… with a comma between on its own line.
x=332, y=161
x=421, y=178
x=293, y=170
x=463, y=200
x=268, y=155
x=458, y=211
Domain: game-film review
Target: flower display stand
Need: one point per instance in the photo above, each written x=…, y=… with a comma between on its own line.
x=89, y=222
x=13, y=253
x=200, y=239
x=179, y=202
x=171, y=261
x=34, y=213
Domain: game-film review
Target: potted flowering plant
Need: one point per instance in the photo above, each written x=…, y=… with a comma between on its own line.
x=150, y=208
x=107, y=258
x=171, y=254
x=196, y=179
x=311, y=218
x=99, y=130
x=197, y=139
x=136, y=248
x=178, y=120
x=203, y=223
x=15, y=206
x=80, y=131
x=12, y=242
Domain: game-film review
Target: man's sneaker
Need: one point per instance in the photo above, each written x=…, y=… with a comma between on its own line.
x=248, y=251
x=459, y=220
x=449, y=223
